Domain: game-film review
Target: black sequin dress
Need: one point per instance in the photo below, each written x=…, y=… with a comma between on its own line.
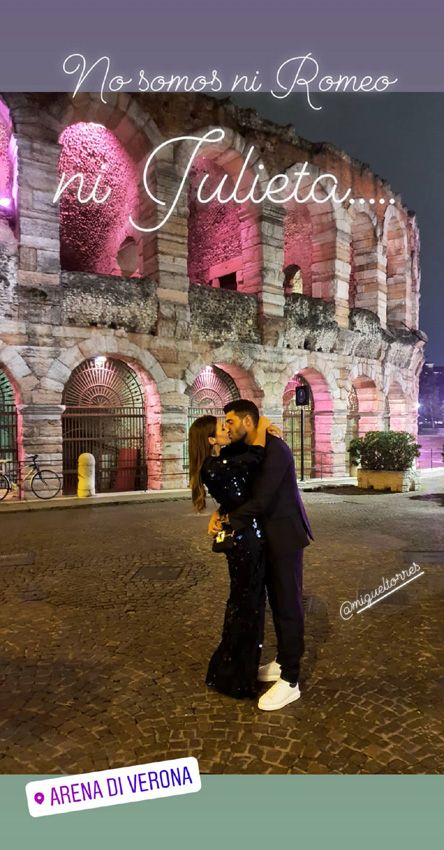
x=234, y=665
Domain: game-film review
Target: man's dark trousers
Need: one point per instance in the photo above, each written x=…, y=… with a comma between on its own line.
x=276, y=500
x=284, y=590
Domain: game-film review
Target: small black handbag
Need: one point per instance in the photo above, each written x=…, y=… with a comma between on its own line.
x=224, y=540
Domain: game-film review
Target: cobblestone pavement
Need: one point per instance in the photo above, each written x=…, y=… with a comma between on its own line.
x=103, y=665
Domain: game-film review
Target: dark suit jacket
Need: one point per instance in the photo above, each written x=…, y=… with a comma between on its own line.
x=276, y=500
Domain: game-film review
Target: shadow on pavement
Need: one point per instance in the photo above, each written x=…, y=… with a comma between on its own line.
x=430, y=497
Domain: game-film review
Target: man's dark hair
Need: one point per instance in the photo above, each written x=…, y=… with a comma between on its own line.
x=243, y=407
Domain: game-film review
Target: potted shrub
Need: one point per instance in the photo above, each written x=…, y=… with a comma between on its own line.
x=385, y=460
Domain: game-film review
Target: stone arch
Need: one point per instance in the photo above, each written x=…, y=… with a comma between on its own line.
x=318, y=420
x=370, y=404
x=399, y=295
x=238, y=364
x=112, y=409
x=211, y=388
x=132, y=131
x=11, y=424
x=224, y=241
x=316, y=238
x=18, y=373
x=92, y=234
x=244, y=380
x=398, y=408
x=159, y=390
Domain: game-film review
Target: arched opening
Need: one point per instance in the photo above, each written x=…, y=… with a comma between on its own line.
x=317, y=418
x=9, y=426
x=307, y=428
x=364, y=409
x=93, y=235
x=363, y=261
x=214, y=232
x=106, y=414
x=293, y=280
x=369, y=404
x=310, y=236
x=211, y=390
x=397, y=408
x=224, y=239
x=299, y=428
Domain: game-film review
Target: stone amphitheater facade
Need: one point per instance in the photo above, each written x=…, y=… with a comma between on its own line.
x=112, y=340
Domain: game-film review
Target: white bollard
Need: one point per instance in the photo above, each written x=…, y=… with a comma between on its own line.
x=86, y=469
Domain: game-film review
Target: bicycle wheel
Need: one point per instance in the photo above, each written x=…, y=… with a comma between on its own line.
x=5, y=486
x=45, y=484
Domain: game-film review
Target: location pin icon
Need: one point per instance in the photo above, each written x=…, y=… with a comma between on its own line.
x=39, y=797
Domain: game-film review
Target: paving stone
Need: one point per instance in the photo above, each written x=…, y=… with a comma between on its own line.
x=104, y=669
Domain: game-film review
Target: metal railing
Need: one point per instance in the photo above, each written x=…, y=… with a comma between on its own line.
x=429, y=459
x=116, y=438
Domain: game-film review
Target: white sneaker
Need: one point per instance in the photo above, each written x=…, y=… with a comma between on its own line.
x=280, y=694
x=269, y=672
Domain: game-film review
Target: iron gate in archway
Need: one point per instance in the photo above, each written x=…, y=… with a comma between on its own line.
x=293, y=432
x=105, y=415
x=8, y=427
x=212, y=389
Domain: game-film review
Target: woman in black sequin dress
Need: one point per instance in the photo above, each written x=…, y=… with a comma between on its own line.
x=227, y=474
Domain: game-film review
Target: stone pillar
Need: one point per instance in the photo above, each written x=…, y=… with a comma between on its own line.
x=42, y=435
x=340, y=458
x=172, y=254
x=273, y=388
x=414, y=247
x=341, y=280
x=340, y=455
x=331, y=261
x=371, y=293
x=8, y=272
x=173, y=438
x=399, y=271
x=271, y=295
x=39, y=241
x=250, y=234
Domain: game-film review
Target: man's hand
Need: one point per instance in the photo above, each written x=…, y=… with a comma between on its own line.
x=214, y=524
x=275, y=431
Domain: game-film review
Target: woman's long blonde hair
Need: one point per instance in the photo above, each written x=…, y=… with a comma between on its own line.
x=198, y=450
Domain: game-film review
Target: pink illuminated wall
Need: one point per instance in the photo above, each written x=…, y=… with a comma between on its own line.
x=5, y=165
x=8, y=162
x=91, y=234
x=214, y=234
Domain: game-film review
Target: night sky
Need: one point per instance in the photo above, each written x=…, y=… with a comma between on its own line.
x=401, y=137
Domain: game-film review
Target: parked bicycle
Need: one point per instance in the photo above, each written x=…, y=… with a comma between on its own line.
x=45, y=483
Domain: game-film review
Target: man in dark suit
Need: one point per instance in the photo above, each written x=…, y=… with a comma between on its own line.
x=276, y=499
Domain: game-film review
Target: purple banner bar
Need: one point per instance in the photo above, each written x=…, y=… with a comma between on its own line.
x=366, y=42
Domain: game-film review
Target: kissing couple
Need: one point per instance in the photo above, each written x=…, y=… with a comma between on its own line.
x=262, y=527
